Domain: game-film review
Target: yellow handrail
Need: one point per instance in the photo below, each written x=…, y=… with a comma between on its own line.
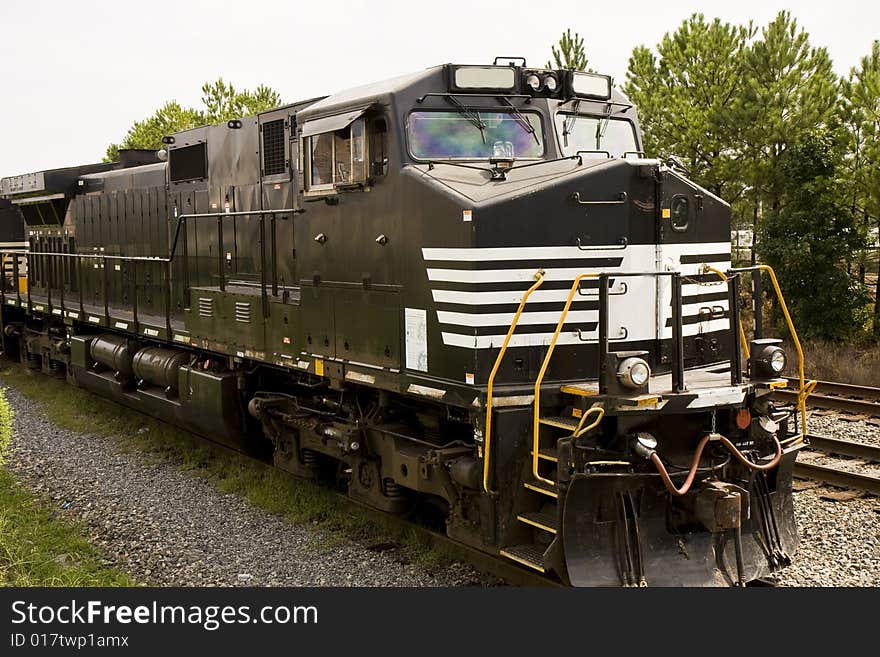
x=742, y=333
x=487, y=439
x=544, y=365
x=804, y=390
x=581, y=429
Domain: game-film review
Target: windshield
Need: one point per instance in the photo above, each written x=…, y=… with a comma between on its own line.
x=578, y=132
x=454, y=135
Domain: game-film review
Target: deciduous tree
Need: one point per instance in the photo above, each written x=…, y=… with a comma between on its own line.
x=221, y=102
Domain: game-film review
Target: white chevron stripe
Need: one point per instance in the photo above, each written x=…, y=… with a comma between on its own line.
x=469, y=298
x=489, y=254
x=477, y=276
x=549, y=317
x=505, y=319
x=566, y=337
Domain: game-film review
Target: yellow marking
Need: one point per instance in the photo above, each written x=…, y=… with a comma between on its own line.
x=576, y=412
x=577, y=390
x=319, y=367
x=648, y=401
x=778, y=384
x=666, y=213
x=535, y=523
x=538, y=489
x=524, y=562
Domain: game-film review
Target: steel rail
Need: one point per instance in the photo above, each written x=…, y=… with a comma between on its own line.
x=838, y=476
x=844, y=448
x=835, y=388
x=835, y=477
x=834, y=403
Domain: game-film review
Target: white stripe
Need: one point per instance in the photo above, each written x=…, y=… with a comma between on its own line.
x=489, y=254
x=517, y=340
x=548, y=317
x=511, y=296
x=507, y=275
x=469, y=298
x=562, y=274
x=568, y=338
x=505, y=319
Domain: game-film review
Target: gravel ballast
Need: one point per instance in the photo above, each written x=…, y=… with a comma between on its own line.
x=166, y=526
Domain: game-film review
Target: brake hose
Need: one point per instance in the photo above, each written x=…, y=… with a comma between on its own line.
x=667, y=481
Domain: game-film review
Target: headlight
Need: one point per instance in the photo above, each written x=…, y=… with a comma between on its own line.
x=633, y=372
x=777, y=361
x=551, y=82
x=533, y=81
x=767, y=358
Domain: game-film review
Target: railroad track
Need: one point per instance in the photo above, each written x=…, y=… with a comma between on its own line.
x=834, y=396
x=837, y=476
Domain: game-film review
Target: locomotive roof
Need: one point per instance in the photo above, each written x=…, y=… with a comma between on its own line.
x=365, y=95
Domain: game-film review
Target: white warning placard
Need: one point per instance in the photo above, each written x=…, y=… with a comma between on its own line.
x=416, y=339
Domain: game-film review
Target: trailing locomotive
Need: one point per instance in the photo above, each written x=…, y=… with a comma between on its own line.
x=465, y=289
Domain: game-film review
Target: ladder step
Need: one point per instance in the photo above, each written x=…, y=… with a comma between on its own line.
x=528, y=555
x=580, y=389
x=548, y=454
x=541, y=487
x=561, y=422
x=545, y=520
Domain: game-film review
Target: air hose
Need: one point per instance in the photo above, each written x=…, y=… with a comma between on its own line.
x=695, y=464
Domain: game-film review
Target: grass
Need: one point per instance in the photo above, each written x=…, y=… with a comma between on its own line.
x=229, y=472
x=845, y=363
x=36, y=548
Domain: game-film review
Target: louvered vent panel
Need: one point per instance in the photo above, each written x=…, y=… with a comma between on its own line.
x=242, y=312
x=206, y=307
x=273, y=147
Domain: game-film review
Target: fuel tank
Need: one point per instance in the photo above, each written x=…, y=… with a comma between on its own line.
x=113, y=351
x=159, y=366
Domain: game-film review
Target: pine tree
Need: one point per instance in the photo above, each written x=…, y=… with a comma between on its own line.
x=684, y=98
x=570, y=54
x=861, y=111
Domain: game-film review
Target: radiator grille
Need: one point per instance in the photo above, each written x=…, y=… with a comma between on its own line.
x=206, y=307
x=273, y=147
x=242, y=312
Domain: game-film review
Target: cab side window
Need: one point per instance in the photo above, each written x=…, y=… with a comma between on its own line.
x=337, y=159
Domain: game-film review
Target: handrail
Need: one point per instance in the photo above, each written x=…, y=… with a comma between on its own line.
x=581, y=429
x=487, y=439
x=742, y=333
x=169, y=259
x=552, y=346
x=805, y=387
x=536, y=426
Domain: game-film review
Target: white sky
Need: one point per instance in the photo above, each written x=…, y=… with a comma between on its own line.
x=74, y=75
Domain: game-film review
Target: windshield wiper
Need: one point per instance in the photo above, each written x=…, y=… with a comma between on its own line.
x=469, y=114
x=568, y=122
x=522, y=120
x=602, y=125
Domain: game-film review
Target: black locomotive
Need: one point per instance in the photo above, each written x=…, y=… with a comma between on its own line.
x=465, y=289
